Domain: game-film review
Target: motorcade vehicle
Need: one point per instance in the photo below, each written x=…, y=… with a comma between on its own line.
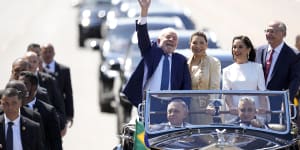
x=91, y=15
x=132, y=58
x=218, y=128
x=115, y=45
x=130, y=9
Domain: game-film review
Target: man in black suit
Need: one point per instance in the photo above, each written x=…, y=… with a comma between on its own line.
x=25, y=134
x=280, y=63
x=48, y=112
x=50, y=83
x=21, y=64
x=30, y=114
x=62, y=75
x=177, y=112
x=150, y=74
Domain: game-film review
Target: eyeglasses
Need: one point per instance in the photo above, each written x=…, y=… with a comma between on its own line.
x=247, y=110
x=271, y=31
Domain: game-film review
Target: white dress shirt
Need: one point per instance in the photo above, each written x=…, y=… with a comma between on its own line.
x=51, y=66
x=154, y=82
x=31, y=104
x=17, y=141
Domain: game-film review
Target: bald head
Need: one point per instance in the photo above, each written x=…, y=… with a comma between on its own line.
x=33, y=59
x=19, y=65
x=47, y=53
x=275, y=33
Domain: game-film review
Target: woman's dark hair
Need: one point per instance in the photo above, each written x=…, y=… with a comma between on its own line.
x=199, y=33
x=248, y=43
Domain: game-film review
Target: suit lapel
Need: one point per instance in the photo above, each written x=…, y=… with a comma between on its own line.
x=173, y=71
x=56, y=69
x=281, y=57
x=24, y=134
x=2, y=132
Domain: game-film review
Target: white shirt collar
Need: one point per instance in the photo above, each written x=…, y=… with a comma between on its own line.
x=51, y=65
x=16, y=121
x=276, y=49
x=31, y=104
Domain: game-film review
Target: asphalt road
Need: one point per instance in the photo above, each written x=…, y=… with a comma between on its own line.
x=41, y=21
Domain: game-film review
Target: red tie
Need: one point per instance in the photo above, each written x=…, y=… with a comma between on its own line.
x=268, y=64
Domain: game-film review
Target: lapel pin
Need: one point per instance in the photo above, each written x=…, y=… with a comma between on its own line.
x=23, y=128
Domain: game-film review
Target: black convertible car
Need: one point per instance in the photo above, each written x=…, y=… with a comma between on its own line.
x=212, y=125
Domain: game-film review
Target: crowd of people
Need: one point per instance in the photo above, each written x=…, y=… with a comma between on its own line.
x=273, y=66
x=36, y=106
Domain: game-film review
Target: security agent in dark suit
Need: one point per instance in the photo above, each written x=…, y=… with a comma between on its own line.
x=148, y=74
x=25, y=111
x=21, y=64
x=283, y=73
x=48, y=112
x=26, y=133
x=49, y=83
x=63, y=77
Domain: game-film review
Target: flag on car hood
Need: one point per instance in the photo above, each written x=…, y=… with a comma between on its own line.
x=139, y=137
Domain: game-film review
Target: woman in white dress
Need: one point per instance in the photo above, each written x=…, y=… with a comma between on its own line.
x=244, y=74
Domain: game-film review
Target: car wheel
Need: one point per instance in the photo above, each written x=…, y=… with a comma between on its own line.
x=81, y=38
x=105, y=105
x=81, y=41
x=123, y=112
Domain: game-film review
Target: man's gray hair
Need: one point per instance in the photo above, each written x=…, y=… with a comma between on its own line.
x=167, y=30
x=246, y=99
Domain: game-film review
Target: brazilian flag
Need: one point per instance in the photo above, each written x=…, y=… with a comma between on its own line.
x=139, y=137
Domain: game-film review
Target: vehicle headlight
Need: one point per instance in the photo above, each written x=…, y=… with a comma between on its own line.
x=111, y=15
x=124, y=7
x=86, y=13
x=85, y=22
x=106, y=47
x=101, y=14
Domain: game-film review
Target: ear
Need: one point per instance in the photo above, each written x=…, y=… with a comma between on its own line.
x=158, y=41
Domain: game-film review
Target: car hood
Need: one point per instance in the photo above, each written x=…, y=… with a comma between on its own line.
x=216, y=140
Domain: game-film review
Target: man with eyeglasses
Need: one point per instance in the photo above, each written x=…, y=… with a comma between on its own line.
x=177, y=112
x=280, y=64
x=247, y=114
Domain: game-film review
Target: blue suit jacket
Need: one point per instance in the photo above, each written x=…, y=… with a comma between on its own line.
x=151, y=53
x=285, y=74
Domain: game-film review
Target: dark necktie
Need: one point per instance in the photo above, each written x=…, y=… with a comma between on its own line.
x=165, y=73
x=48, y=66
x=268, y=64
x=9, y=136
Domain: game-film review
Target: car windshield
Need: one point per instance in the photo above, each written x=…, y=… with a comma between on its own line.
x=173, y=110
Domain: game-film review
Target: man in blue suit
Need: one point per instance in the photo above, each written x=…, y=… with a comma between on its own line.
x=149, y=73
x=283, y=71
